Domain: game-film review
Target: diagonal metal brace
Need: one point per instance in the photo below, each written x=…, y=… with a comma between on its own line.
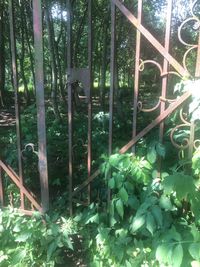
x=13, y=176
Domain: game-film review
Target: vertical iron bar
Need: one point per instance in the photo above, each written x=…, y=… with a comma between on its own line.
x=137, y=73
x=112, y=73
x=69, y=90
x=89, y=158
x=1, y=187
x=165, y=70
x=15, y=86
x=40, y=101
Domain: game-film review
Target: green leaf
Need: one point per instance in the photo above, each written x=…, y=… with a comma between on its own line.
x=128, y=264
x=163, y=253
x=165, y=203
x=23, y=237
x=150, y=223
x=160, y=149
x=157, y=213
x=137, y=223
x=123, y=194
x=120, y=208
x=179, y=183
x=114, y=159
x=51, y=249
x=119, y=178
x=194, y=250
x=93, y=219
x=111, y=183
x=195, y=264
x=133, y=202
x=18, y=257
x=151, y=155
x=177, y=256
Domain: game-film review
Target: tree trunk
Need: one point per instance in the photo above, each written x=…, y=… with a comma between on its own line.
x=27, y=36
x=103, y=64
x=22, y=56
x=51, y=42
x=2, y=53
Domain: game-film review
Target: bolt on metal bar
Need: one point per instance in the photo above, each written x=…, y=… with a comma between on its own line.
x=69, y=101
x=89, y=156
x=40, y=101
x=137, y=73
x=15, y=86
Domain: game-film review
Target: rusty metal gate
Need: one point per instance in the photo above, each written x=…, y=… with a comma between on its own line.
x=164, y=106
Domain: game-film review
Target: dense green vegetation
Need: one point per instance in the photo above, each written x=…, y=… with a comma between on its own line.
x=152, y=217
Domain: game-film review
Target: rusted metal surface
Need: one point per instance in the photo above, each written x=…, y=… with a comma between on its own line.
x=41, y=122
x=16, y=179
x=15, y=86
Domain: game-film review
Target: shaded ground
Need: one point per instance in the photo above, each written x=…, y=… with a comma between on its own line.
x=7, y=118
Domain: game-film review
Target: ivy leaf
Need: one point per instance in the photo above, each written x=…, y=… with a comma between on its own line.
x=137, y=223
x=177, y=256
x=123, y=194
x=120, y=208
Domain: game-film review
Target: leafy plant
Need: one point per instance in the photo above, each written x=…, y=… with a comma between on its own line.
x=33, y=241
